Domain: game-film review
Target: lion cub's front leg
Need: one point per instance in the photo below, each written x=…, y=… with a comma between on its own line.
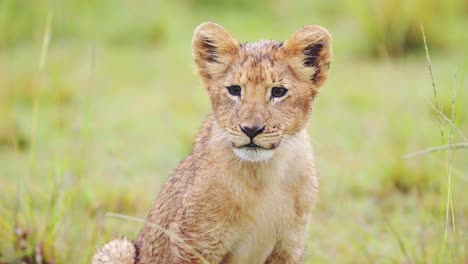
x=291, y=246
x=286, y=255
x=290, y=249
x=200, y=246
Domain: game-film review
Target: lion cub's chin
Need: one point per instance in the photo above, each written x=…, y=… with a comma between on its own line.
x=254, y=154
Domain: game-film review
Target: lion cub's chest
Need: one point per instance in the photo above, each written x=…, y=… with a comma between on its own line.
x=265, y=222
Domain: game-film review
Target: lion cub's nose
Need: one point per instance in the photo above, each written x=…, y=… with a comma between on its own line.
x=253, y=131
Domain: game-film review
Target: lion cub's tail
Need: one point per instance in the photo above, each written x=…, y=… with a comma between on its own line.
x=119, y=251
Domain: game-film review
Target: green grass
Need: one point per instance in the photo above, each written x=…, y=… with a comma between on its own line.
x=116, y=106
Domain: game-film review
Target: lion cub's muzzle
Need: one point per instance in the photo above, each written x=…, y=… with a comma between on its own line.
x=255, y=146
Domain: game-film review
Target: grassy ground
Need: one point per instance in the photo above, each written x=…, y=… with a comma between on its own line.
x=100, y=126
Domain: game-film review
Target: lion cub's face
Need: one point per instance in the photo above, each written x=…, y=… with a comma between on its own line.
x=261, y=93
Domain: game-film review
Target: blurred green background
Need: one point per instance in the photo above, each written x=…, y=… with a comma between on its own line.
x=99, y=102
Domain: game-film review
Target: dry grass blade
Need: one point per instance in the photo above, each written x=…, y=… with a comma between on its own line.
x=46, y=41
x=167, y=232
x=434, y=90
x=436, y=149
x=444, y=117
x=399, y=239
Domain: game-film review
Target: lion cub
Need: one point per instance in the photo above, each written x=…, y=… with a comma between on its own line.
x=245, y=193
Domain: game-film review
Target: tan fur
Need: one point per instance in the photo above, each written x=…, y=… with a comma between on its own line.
x=121, y=251
x=217, y=206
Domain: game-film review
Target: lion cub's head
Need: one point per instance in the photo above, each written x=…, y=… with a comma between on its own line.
x=262, y=92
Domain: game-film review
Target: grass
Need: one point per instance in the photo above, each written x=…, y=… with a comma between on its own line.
x=93, y=122
x=390, y=35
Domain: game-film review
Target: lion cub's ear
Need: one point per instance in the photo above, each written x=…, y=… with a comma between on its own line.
x=213, y=50
x=308, y=52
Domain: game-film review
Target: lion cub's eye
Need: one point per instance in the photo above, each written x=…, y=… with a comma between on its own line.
x=278, y=91
x=234, y=90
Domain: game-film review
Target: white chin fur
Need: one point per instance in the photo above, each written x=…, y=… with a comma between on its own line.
x=253, y=155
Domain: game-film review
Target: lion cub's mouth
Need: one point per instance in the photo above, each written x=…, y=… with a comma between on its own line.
x=253, y=153
x=253, y=146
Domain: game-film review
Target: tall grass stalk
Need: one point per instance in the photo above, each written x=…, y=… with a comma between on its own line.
x=434, y=90
x=449, y=206
x=24, y=204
